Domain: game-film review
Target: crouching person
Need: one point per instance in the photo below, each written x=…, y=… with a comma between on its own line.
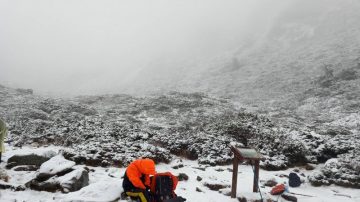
x=137, y=179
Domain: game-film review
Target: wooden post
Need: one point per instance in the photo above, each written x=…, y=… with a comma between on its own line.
x=234, y=177
x=256, y=176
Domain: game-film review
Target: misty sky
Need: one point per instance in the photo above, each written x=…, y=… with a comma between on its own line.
x=88, y=46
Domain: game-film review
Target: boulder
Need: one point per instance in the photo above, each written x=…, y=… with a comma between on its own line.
x=74, y=181
x=70, y=182
x=50, y=185
x=57, y=165
x=36, y=158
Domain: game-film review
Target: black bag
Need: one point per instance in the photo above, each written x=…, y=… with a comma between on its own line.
x=176, y=199
x=163, y=188
x=294, y=180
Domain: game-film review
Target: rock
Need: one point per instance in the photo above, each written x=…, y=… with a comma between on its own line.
x=12, y=187
x=30, y=159
x=296, y=170
x=309, y=167
x=215, y=186
x=219, y=170
x=225, y=191
x=200, y=168
x=182, y=177
x=26, y=168
x=10, y=165
x=57, y=165
x=74, y=180
x=242, y=199
x=253, y=197
x=4, y=176
x=178, y=166
x=271, y=182
x=273, y=165
x=282, y=175
x=69, y=182
x=289, y=197
x=198, y=189
x=198, y=178
x=50, y=185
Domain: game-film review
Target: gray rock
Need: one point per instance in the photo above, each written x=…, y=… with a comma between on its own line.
x=12, y=187
x=26, y=168
x=183, y=177
x=289, y=197
x=178, y=166
x=29, y=159
x=4, y=176
x=74, y=180
x=57, y=165
x=270, y=183
x=69, y=182
x=309, y=167
x=215, y=187
x=50, y=185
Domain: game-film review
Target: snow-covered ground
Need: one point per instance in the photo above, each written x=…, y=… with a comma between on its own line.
x=105, y=184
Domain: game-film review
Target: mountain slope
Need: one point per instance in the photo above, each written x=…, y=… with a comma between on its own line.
x=305, y=66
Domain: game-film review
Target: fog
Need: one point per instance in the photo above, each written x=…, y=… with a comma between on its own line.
x=70, y=47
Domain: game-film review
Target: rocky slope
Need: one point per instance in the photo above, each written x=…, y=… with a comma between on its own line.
x=115, y=129
x=305, y=65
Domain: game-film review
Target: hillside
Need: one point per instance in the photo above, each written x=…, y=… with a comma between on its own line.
x=304, y=66
x=115, y=129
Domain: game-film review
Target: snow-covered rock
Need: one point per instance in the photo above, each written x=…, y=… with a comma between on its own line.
x=74, y=180
x=56, y=165
x=34, y=157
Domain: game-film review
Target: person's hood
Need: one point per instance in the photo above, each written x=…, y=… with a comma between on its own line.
x=147, y=166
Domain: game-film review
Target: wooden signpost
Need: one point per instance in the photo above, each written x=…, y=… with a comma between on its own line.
x=245, y=154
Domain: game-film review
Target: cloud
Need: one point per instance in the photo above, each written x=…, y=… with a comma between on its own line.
x=90, y=46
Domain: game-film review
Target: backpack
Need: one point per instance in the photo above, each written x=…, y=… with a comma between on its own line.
x=163, y=186
x=294, y=180
x=278, y=189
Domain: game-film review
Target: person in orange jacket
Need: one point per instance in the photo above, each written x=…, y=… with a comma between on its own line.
x=136, y=181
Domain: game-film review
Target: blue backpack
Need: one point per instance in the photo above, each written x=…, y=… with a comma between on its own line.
x=294, y=180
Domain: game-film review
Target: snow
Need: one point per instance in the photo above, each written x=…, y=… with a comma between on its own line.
x=49, y=152
x=104, y=190
x=55, y=165
x=106, y=185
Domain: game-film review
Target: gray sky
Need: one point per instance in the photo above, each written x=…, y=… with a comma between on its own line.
x=88, y=46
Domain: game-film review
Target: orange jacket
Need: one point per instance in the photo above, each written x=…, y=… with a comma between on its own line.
x=137, y=169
